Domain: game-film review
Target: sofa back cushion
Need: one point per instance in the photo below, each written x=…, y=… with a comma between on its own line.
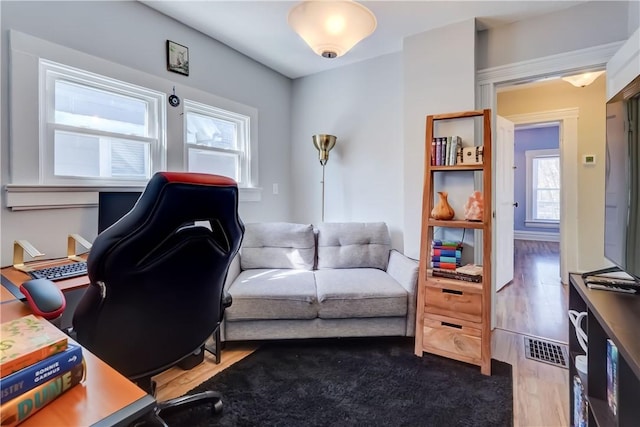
x=278, y=245
x=353, y=245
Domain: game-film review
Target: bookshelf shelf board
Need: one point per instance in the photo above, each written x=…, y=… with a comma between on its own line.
x=453, y=168
x=456, y=223
x=445, y=282
x=449, y=116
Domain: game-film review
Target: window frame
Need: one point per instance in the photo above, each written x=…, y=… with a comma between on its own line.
x=243, y=138
x=49, y=72
x=530, y=219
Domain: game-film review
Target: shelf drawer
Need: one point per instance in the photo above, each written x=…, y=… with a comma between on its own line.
x=452, y=338
x=454, y=302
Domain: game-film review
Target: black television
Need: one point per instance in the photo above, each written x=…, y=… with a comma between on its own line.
x=113, y=205
x=622, y=181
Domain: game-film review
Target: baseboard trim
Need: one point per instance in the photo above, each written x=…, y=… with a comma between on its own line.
x=542, y=236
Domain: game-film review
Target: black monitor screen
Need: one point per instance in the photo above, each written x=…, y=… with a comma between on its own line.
x=113, y=205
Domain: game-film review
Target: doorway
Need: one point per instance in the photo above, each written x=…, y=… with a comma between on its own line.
x=535, y=302
x=488, y=80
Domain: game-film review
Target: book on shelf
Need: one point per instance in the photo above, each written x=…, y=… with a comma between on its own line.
x=27, y=340
x=447, y=151
x=470, y=269
x=443, y=265
x=447, y=252
x=31, y=376
x=438, y=151
x=18, y=409
x=447, y=244
x=449, y=259
x=452, y=274
x=612, y=377
x=456, y=142
x=433, y=151
x=580, y=415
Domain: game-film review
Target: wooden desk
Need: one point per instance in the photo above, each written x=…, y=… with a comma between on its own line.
x=17, y=276
x=106, y=398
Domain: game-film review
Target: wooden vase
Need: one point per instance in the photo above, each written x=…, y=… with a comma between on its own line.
x=442, y=209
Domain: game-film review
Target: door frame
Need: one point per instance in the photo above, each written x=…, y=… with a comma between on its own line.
x=568, y=119
x=487, y=82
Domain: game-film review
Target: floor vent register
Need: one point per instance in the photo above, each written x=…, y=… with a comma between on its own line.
x=546, y=351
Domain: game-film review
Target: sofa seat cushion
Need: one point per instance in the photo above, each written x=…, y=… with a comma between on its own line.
x=273, y=294
x=359, y=292
x=278, y=245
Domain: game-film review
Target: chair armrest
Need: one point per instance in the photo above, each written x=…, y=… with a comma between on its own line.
x=227, y=300
x=405, y=271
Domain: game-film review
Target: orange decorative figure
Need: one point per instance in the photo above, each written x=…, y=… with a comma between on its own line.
x=474, y=208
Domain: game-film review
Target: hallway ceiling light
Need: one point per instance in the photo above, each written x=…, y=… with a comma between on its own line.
x=331, y=28
x=584, y=79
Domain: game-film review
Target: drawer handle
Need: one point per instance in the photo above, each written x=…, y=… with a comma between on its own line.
x=451, y=325
x=452, y=291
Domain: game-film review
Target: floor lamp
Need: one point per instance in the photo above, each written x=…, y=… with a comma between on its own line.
x=324, y=144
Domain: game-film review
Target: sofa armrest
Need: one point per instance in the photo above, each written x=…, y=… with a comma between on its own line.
x=405, y=271
x=234, y=271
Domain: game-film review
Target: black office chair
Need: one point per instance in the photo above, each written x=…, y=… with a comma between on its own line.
x=156, y=280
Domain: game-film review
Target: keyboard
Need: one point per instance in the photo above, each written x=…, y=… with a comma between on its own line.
x=61, y=272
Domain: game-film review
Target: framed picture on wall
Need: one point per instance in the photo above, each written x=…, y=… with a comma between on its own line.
x=177, y=58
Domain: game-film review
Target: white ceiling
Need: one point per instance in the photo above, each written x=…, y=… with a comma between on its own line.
x=259, y=29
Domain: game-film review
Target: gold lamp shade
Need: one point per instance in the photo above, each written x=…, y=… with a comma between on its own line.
x=324, y=144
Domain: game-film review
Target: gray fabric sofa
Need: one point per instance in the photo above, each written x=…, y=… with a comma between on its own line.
x=336, y=280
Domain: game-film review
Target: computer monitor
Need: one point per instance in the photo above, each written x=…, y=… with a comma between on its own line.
x=113, y=205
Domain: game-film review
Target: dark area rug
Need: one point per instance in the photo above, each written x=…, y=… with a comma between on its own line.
x=354, y=382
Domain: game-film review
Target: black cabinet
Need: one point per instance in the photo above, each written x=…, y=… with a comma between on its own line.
x=610, y=316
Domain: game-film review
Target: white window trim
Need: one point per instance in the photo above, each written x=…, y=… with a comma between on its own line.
x=529, y=221
x=24, y=190
x=35, y=197
x=49, y=73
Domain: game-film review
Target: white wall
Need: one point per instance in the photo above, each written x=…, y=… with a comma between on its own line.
x=439, y=77
x=361, y=104
x=590, y=24
x=134, y=35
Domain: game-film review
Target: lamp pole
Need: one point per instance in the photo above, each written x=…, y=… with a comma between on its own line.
x=324, y=144
x=322, y=182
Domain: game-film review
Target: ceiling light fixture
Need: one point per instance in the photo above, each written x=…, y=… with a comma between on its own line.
x=331, y=28
x=584, y=79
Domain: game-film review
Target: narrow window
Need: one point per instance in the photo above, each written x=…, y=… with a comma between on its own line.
x=217, y=142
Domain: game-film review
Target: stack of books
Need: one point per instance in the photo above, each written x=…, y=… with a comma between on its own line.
x=37, y=364
x=468, y=273
x=446, y=254
x=444, y=150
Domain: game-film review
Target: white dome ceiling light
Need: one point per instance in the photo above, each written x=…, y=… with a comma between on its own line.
x=331, y=28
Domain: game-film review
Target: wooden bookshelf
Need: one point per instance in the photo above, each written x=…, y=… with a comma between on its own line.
x=453, y=317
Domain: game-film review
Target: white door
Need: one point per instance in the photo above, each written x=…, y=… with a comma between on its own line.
x=503, y=223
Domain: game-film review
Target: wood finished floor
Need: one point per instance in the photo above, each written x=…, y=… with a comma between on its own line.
x=535, y=302
x=531, y=305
